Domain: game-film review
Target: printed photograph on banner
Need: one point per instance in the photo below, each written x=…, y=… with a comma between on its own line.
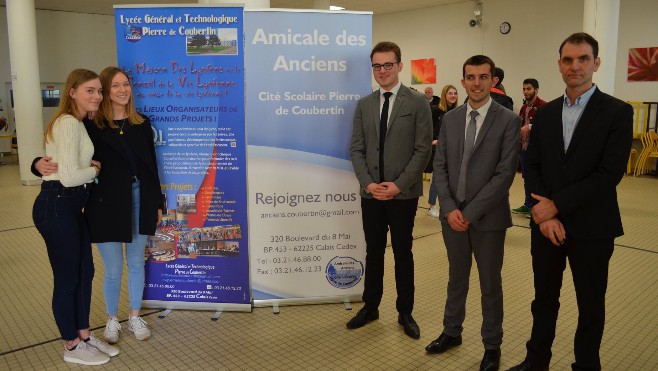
x=160, y=251
x=186, y=204
x=193, y=250
x=220, y=41
x=174, y=240
x=161, y=247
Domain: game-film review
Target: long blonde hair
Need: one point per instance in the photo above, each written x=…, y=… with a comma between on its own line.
x=66, y=103
x=105, y=116
x=443, y=105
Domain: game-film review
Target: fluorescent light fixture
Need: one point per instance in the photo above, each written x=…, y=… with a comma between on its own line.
x=336, y=8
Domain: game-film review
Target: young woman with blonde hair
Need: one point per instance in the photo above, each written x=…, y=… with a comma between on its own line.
x=58, y=216
x=447, y=103
x=126, y=205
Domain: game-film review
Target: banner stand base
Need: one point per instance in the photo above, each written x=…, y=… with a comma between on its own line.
x=184, y=305
x=276, y=303
x=164, y=313
x=216, y=315
x=347, y=304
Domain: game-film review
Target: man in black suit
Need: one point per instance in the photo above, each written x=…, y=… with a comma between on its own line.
x=576, y=157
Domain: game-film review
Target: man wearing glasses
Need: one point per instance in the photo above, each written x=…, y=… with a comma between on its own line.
x=391, y=144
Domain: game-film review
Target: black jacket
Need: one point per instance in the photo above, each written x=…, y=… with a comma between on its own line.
x=109, y=209
x=583, y=180
x=437, y=117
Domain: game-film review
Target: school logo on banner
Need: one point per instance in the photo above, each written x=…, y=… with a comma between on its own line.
x=133, y=33
x=344, y=272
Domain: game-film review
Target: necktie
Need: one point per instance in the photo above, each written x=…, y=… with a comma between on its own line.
x=469, y=141
x=383, y=125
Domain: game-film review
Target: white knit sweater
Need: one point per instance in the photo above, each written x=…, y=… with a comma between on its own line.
x=72, y=150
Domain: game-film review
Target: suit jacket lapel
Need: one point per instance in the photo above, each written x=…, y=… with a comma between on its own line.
x=554, y=127
x=461, y=128
x=374, y=105
x=491, y=114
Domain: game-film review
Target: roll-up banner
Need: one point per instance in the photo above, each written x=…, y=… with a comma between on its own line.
x=187, y=69
x=305, y=71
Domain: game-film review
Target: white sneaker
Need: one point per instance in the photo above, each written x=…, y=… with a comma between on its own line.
x=112, y=329
x=138, y=326
x=102, y=346
x=85, y=354
x=433, y=212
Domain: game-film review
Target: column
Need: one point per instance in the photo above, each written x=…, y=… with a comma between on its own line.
x=601, y=20
x=25, y=80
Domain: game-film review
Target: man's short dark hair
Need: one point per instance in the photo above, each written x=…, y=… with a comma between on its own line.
x=533, y=82
x=478, y=60
x=582, y=38
x=500, y=74
x=387, y=46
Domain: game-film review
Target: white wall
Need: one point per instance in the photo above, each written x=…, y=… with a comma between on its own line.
x=65, y=41
x=529, y=50
x=638, y=29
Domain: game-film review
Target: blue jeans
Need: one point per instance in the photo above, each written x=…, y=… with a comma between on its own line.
x=112, y=254
x=431, y=198
x=57, y=215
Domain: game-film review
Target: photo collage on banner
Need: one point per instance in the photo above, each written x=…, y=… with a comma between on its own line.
x=187, y=71
x=306, y=71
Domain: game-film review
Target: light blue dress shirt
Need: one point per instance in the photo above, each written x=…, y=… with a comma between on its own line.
x=571, y=114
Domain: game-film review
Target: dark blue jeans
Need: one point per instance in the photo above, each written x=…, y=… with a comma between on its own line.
x=57, y=214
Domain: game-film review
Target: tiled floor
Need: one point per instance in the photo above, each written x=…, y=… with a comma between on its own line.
x=314, y=336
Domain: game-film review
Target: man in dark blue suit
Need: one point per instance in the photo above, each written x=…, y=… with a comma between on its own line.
x=576, y=157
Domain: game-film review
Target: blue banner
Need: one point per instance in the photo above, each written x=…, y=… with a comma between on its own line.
x=306, y=71
x=187, y=71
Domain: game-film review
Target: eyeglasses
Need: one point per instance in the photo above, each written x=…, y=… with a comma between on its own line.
x=387, y=66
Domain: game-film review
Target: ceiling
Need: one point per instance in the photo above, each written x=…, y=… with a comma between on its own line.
x=378, y=7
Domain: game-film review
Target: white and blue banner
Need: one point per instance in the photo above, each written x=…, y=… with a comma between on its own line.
x=186, y=64
x=305, y=71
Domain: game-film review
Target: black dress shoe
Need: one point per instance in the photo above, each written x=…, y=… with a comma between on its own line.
x=527, y=366
x=491, y=360
x=443, y=343
x=410, y=326
x=364, y=316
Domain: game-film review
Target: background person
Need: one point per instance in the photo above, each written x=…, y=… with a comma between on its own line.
x=58, y=216
x=498, y=90
x=433, y=99
x=527, y=114
x=448, y=102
